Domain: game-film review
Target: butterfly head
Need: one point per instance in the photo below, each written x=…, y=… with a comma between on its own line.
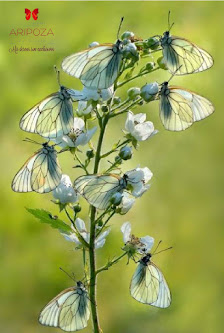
x=118, y=46
x=146, y=259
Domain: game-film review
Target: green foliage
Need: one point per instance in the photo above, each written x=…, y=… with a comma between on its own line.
x=45, y=217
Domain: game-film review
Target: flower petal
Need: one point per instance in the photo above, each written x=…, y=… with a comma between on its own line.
x=148, y=241
x=126, y=230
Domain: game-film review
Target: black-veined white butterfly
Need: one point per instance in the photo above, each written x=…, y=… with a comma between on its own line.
x=98, y=189
x=68, y=311
x=180, y=108
x=182, y=56
x=53, y=116
x=41, y=172
x=97, y=67
x=148, y=284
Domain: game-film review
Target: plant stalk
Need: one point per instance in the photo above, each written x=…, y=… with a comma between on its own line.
x=92, y=257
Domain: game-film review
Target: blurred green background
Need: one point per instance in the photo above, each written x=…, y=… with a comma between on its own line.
x=184, y=206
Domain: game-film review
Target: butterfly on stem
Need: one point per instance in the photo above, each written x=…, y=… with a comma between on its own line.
x=41, y=172
x=53, y=116
x=97, y=67
x=148, y=284
x=69, y=310
x=182, y=56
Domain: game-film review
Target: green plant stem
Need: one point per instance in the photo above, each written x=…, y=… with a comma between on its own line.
x=110, y=263
x=126, y=108
x=82, y=165
x=105, y=223
x=136, y=76
x=92, y=257
x=113, y=150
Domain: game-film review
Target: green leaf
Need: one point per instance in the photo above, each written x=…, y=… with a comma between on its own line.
x=45, y=217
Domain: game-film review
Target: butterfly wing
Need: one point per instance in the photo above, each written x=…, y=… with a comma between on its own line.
x=201, y=107
x=28, y=13
x=68, y=311
x=148, y=286
x=46, y=172
x=97, y=67
x=51, y=118
x=183, y=57
x=35, y=13
x=41, y=173
x=22, y=180
x=98, y=190
x=175, y=111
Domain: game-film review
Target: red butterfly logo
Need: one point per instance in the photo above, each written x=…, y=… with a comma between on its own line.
x=34, y=14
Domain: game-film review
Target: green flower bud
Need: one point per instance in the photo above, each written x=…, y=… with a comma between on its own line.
x=161, y=64
x=116, y=199
x=100, y=223
x=116, y=100
x=152, y=43
x=149, y=66
x=126, y=41
x=127, y=35
x=125, y=153
x=133, y=92
x=90, y=154
x=104, y=108
x=130, y=52
x=77, y=208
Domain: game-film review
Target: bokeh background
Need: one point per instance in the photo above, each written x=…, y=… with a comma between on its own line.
x=184, y=206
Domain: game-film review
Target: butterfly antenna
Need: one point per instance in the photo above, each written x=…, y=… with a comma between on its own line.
x=58, y=75
x=174, y=73
x=32, y=141
x=157, y=247
x=169, y=248
x=119, y=29
x=169, y=25
x=71, y=277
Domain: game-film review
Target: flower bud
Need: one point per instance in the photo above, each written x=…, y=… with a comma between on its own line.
x=116, y=100
x=161, y=63
x=93, y=44
x=127, y=35
x=116, y=199
x=149, y=91
x=125, y=153
x=149, y=66
x=77, y=208
x=130, y=52
x=90, y=154
x=152, y=43
x=133, y=92
x=100, y=223
x=126, y=41
x=104, y=108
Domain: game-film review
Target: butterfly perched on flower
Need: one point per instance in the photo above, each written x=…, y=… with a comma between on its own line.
x=41, y=172
x=99, y=189
x=53, y=116
x=34, y=14
x=97, y=67
x=148, y=284
x=182, y=56
x=180, y=108
x=69, y=310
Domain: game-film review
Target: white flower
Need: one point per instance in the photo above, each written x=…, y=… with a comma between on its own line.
x=93, y=44
x=96, y=94
x=140, y=129
x=78, y=136
x=84, y=107
x=142, y=244
x=137, y=180
x=149, y=91
x=126, y=203
x=81, y=227
x=64, y=192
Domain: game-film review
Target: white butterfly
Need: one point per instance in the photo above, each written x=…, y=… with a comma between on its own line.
x=182, y=56
x=69, y=310
x=98, y=189
x=53, y=116
x=97, y=67
x=180, y=108
x=148, y=284
x=41, y=172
